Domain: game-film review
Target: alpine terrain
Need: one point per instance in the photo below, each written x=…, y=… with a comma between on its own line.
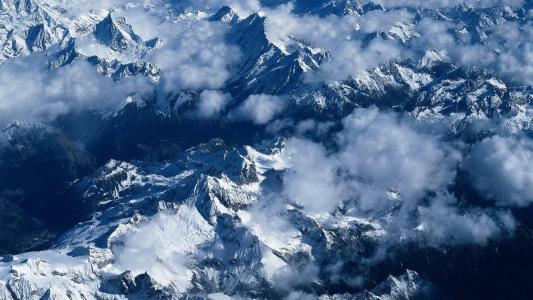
x=266, y=149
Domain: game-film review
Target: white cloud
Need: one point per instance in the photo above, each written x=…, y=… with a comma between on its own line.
x=385, y=164
x=196, y=57
x=447, y=3
x=501, y=168
x=387, y=153
x=31, y=92
x=506, y=49
x=351, y=58
x=194, y=54
x=76, y=8
x=242, y=7
x=260, y=109
x=211, y=103
x=311, y=180
x=341, y=37
x=148, y=23
x=290, y=277
x=378, y=154
x=442, y=223
x=313, y=128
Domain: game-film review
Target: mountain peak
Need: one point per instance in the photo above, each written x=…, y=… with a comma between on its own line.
x=38, y=37
x=20, y=7
x=226, y=15
x=114, y=32
x=250, y=35
x=276, y=154
x=335, y=7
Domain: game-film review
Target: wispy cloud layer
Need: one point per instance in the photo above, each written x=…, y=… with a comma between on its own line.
x=260, y=109
x=211, y=103
x=196, y=57
x=448, y=3
x=501, y=169
x=31, y=92
x=384, y=163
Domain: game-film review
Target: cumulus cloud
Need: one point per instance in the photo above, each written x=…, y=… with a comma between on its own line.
x=196, y=57
x=351, y=58
x=260, y=109
x=194, y=54
x=76, y=8
x=385, y=164
x=242, y=7
x=148, y=22
x=211, y=103
x=342, y=37
x=290, y=277
x=313, y=128
x=501, y=168
x=31, y=92
x=443, y=223
x=312, y=180
x=447, y=3
x=388, y=154
x=382, y=157
x=505, y=48
x=509, y=51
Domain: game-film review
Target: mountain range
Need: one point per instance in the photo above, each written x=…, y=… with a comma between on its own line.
x=353, y=149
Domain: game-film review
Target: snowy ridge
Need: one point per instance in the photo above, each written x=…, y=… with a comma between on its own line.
x=222, y=247
x=336, y=149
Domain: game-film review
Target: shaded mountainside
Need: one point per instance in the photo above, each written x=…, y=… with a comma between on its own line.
x=204, y=150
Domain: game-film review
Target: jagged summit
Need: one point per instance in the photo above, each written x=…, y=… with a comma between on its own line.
x=227, y=15
x=268, y=67
x=20, y=7
x=114, y=32
x=335, y=7
x=148, y=173
x=250, y=35
x=39, y=38
x=27, y=26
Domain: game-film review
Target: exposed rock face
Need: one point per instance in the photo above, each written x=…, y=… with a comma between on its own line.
x=211, y=188
x=151, y=199
x=114, y=32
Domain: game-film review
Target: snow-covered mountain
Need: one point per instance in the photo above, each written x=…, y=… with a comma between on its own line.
x=168, y=149
x=195, y=213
